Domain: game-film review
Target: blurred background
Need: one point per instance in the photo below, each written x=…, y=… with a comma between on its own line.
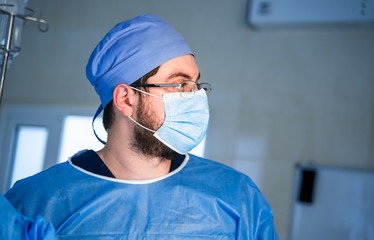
x=282, y=94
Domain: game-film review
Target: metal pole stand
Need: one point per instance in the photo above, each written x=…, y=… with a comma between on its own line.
x=6, y=49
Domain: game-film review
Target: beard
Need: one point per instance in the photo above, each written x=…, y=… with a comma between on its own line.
x=143, y=141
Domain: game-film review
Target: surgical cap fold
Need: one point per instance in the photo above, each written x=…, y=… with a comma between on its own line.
x=130, y=50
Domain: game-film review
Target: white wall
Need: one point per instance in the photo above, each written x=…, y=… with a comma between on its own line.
x=279, y=96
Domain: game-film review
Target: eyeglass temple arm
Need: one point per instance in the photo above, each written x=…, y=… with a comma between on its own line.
x=156, y=85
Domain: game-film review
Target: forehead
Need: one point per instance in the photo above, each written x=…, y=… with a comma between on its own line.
x=176, y=70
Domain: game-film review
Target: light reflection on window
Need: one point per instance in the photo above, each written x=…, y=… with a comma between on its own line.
x=29, y=151
x=77, y=135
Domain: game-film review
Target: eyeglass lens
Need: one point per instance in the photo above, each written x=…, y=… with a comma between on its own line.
x=205, y=86
x=191, y=86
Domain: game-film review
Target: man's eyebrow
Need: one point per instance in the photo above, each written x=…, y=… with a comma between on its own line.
x=183, y=75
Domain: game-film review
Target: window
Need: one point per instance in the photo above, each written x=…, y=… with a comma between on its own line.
x=77, y=135
x=29, y=151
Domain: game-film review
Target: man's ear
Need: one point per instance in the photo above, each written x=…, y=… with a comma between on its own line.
x=124, y=99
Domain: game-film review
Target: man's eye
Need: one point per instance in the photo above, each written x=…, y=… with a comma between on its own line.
x=172, y=89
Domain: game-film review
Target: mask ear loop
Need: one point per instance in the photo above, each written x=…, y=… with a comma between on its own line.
x=145, y=92
x=153, y=131
x=141, y=125
x=98, y=111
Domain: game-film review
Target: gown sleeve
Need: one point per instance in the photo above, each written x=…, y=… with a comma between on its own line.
x=14, y=226
x=257, y=222
x=267, y=230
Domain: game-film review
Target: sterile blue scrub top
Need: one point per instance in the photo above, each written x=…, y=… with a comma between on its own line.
x=201, y=199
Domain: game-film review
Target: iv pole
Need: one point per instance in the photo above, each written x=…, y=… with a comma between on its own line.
x=6, y=50
x=7, y=47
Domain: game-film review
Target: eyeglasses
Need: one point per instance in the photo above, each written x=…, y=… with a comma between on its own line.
x=184, y=87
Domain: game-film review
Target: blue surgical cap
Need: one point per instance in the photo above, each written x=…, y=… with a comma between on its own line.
x=130, y=50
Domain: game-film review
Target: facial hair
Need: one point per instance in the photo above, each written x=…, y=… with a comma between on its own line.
x=143, y=141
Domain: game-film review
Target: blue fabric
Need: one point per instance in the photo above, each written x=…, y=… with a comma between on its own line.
x=130, y=50
x=199, y=200
x=14, y=226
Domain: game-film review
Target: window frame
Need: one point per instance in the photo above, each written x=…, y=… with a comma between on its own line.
x=51, y=117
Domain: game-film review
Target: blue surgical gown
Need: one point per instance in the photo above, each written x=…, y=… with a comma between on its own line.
x=201, y=199
x=14, y=226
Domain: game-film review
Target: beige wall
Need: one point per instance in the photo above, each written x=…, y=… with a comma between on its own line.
x=280, y=97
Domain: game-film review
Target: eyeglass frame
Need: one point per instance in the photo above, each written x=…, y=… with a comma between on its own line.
x=179, y=85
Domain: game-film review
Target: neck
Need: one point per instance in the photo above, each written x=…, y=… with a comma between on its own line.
x=126, y=164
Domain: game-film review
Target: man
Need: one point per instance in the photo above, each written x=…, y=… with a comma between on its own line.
x=143, y=184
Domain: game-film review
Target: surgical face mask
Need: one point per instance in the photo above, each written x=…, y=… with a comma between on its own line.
x=186, y=120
